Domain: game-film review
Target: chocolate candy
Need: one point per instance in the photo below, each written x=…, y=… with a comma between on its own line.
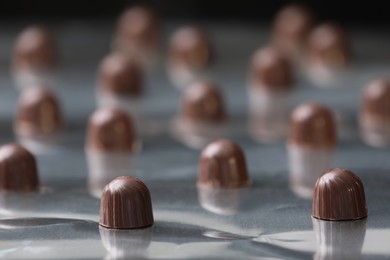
x=339, y=195
x=328, y=45
x=291, y=26
x=222, y=165
x=190, y=46
x=120, y=76
x=203, y=103
x=38, y=113
x=375, y=113
x=312, y=126
x=137, y=29
x=271, y=70
x=35, y=49
x=111, y=130
x=126, y=204
x=18, y=169
x=375, y=100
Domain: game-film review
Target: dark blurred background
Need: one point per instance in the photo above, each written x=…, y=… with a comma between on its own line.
x=364, y=13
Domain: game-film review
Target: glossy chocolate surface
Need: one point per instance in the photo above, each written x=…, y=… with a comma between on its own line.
x=376, y=100
x=328, y=44
x=291, y=26
x=312, y=126
x=190, y=46
x=119, y=75
x=126, y=204
x=111, y=130
x=203, y=103
x=35, y=49
x=339, y=195
x=271, y=70
x=222, y=164
x=18, y=169
x=38, y=112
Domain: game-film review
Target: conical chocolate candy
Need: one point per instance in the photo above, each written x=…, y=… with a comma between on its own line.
x=35, y=49
x=18, y=169
x=271, y=70
x=203, y=103
x=38, y=113
x=222, y=165
x=312, y=126
x=126, y=204
x=120, y=76
x=190, y=46
x=339, y=195
x=111, y=130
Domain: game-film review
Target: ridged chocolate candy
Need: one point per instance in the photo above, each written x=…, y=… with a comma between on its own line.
x=339, y=195
x=222, y=164
x=376, y=105
x=203, y=103
x=126, y=204
x=190, y=46
x=120, y=76
x=111, y=130
x=137, y=28
x=35, y=49
x=312, y=126
x=292, y=24
x=38, y=113
x=18, y=169
x=328, y=44
x=271, y=70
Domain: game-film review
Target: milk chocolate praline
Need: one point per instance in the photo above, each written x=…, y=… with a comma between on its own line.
x=328, y=44
x=38, y=112
x=126, y=204
x=18, y=169
x=190, y=46
x=137, y=25
x=111, y=130
x=376, y=105
x=203, y=103
x=271, y=70
x=312, y=126
x=291, y=26
x=120, y=75
x=339, y=195
x=35, y=49
x=222, y=164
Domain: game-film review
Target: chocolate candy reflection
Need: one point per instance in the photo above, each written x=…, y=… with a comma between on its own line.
x=202, y=115
x=375, y=113
x=137, y=34
x=339, y=239
x=270, y=82
x=328, y=54
x=311, y=144
x=35, y=56
x=189, y=53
